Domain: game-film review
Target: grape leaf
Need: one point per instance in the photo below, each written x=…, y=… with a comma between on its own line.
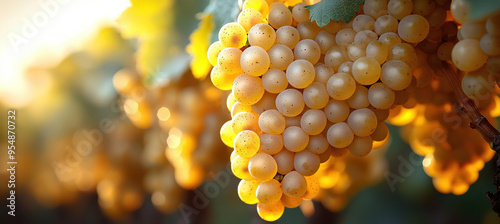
x=480, y=9
x=200, y=41
x=336, y=10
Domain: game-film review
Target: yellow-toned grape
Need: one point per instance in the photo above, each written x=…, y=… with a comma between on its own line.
x=389, y=39
x=221, y=79
x=381, y=96
x=262, y=35
x=245, y=121
x=318, y=144
x=262, y=167
x=399, y=8
x=227, y=135
x=375, y=8
x=336, y=56
x=313, y=121
x=267, y=102
x=341, y=86
x=255, y=61
x=300, y=73
x=300, y=13
x=366, y=70
x=238, y=107
x=323, y=73
x=247, y=190
x=288, y=36
x=213, y=52
x=295, y=139
x=271, y=144
x=345, y=37
x=247, y=89
x=380, y=133
x=246, y=143
x=280, y=15
x=272, y=122
x=377, y=50
x=396, y=74
x=271, y=212
x=306, y=162
x=363, y=22
x=307, y=49
x=229, y=61
x=385, y=24
x=290, y=102
x=361, y=146
x=239, y=166
x=294, y=184
x=284, y=160
x=281, y=56
x=363, y=122
x=413, y=28
x=290, y=202
x=315, y=96
x=325, y=41
x=269, y=192
x=233, y=35
x=308, y=30
x=260, y=5
x=312, y=187
x=468, y=56
x=359, y=99
x=337, y=111
x=340, y=135
x=249, y=18
x=230, y=101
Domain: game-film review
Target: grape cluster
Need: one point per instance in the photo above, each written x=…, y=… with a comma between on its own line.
x=301, y=92
x=454, y=153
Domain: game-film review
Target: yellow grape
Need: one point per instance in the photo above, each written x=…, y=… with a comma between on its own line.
x=413, y=28
x=284, y=160
x=269, y=192
x=290, y=202
x=375, y=8
x=385, y=24
x=380, y=132
x=246, y=191
x=308, y=30
x=337, y=111
x=345, y=37
x=227, y=135
x=262, y=167
x=323, y=73
x=313, y=121
x=389, y=39
x=366, y=71
x=267, y=102
x=363, y=22
x=336, y=56
x=399, y=8
x=230, y=101
x=245, y=121
x=295, y=139
x=307, y=49
x=246, y=143
x=341, y=86
x=249, y=18
x=281, y=56
x=290, y=102
x=294, y=184
x=300, y=13
x=312, y=187
x=325, y=41
x=262, y=35
x=363, y=122
x=247, y=89
x=468, y=56
x=361, y=146
x=300, y=73
x=359, y=99
x=270, y=212
x=340, y=135
x=288, y=36
x=213, y=52
x=221, y=79
x=255, y=61
x=272, y=122
x=260, y=5
x=396, y=74
x=228, y=60
x=315, y=96
x=378, y=51
x=238, y=107
x=271, y=144
x=233, y=35
x=239, y=166
x=381, y=96
x=306, y=162
x=280, y=15
x=318, y=144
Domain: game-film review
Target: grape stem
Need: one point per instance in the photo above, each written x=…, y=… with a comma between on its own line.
x=479, y=123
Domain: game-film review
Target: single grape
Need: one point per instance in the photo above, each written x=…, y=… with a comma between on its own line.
x=337, y=111
x=366, y=71
x=413, y=28
x=385, y=24
x=262, y=35
x=325, y=41
x=247, y=191
x=318, y=144
x=281, y=56
x=363, y=122
x=247, y=89
x=274, y=81
x=313, y=121
x=323, y=73
x=468, y=56
x=336, y=56
x=233, y=35
x=341, y=86
x=270, y=212
x=399, y=8
x=308, y=30
x=361, y=146
x=272, y=122
x=290, y=102
x=345, y=37
x=221, y=79
x=255, y=61
x=213, y=52
x=284, y=159
x=229, y=61
x=363, y=22
x=396, y=74
x=307, y=49
x=288, y=36
x=359, y=99
x=340, y=135
x=269, y=192
x=262, y=167
x=315, y=96
x=239, y=166
x=227, y=135
x=300, y=73
x=249, y=18
x=381, y=96
x=280, y=16
x=294, y=184
x=271, y=144
x=295, y=139
x=380, y=132
x=313, y=187
x=246, y=143
x=306, y=163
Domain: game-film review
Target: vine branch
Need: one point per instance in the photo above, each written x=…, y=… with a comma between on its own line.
x=481, y=124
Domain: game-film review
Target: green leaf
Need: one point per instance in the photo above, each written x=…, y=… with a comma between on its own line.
x=480, y=9
x=223, y=11
x=336, y=10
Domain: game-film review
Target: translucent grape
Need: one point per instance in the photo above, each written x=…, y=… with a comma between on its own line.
x=269, y=192
x=220, y=79
x=490, y=45
x=399, y=8
x=363, y=122
x=247, y=191
x=279, y=16
x=341, y=86
x=262, y=167
x=313, y=121
x=248, y=89
x=281, y=56
x=267, y=102
x=306, y=163
x=473, y=30
x=345, y=37
x=262, y=35
x=375, y=8
x=378, y=51
x=403, y=52
x=227, y=135
x=230, y=101
x=239, y=167
x=460, y=10
x=385, y=24
x=468, y=56
x=423, y=7
x=437, y=17
x=246, y=143
x=396, y=74
x=356, y=50
x=366, y=71
x=300, y=13
x=274, y=81
x=294, y=184
x=249, y=18
x=361, y=146
x=213, y=52
x=233, y=35
x=323, y=73
x=365, y=37
x=336, y=56
x=288, y=36
x=337, y=111
x=389, y=39
x=271, y=144
x=340, y=135
x=291, y=202
x=260, y=5
x=325, y=41
x=315, y=96
x=238, y=108
x=272, y=122
x=284, y=159
x=318, y=144
x=290, y=102
x=295, y=139
x=307, y=49
x=308, y=30
x=381, y=96
x=333, y=27
x=312, y=187
x=270, y=212
x=413, y=28
x=359, y=99
x=380, y=132
x=300, y=73
x=229, y=61
x=346, y=67
x=255, y=61
x=444, y=51
x=363, y=22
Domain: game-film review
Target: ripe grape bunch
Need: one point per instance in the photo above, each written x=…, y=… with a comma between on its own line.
x=301, y=92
